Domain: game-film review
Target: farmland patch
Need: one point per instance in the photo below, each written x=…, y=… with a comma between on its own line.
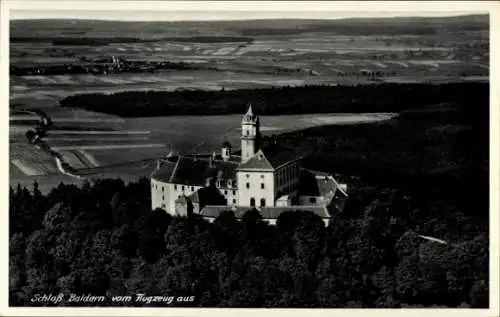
x=31, y=160
x=27, y=169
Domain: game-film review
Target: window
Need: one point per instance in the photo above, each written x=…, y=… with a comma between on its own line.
x=234, y=201
x=248, y=185
x=162, y=197
x=234, y=192
x=252, y=202
x=262, y=186
x=261, y=176
x=262, y=202
x=312, y=200
x=192, y=188
x=246, y=132
x=225, y=192
x=163, y=206
x=162, y=189
x=175, y=187
x=248, y=175
x=182, y=188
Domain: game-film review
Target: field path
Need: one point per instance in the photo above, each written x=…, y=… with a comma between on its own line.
x=63, y=171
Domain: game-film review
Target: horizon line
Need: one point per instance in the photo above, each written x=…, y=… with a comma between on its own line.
x=110, y=19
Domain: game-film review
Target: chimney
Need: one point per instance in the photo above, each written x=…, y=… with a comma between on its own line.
x=158, y=164
x=226, y=151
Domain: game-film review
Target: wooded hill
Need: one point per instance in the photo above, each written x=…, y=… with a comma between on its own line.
x=423, y=173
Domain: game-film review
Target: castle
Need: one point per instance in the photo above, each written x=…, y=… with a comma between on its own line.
x=270, y=180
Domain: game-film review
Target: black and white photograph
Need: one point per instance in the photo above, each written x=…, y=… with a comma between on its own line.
x=226, y=154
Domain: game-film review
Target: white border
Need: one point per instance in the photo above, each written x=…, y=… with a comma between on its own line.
x=493, y=7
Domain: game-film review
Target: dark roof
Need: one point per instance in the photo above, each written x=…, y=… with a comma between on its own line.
x=313, y=183
x=258, y=161
x=164, y=172
x=210, y=196
x=211, y=211
x=270, y=159
x=194, y=171
x=226, y=144
x=308, y=184
x=278, y=156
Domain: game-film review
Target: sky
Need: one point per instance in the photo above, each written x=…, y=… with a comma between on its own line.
x=234, y=10
x=213, y=15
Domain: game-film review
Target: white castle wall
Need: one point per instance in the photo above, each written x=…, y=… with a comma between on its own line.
x=255, y=179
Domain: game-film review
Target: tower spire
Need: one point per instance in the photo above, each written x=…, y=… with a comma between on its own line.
x=249, y=111
x=249, y=115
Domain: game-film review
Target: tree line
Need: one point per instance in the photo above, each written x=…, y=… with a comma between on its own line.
x=276, y=101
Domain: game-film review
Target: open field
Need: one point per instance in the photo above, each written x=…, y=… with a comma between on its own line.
x=262, y=54
x=30, y=160
x=132, y=150
x=228, y=55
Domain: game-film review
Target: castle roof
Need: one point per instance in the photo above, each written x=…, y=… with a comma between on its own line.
x=314, y=183
x=271, y=159
x=195, y=171
x=165, y=171
x=211, y=211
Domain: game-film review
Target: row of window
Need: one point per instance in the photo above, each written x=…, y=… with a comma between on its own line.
x=183, y=187
x=155, y=186
x=248, y=175
x=262, y=185
x=225, y=193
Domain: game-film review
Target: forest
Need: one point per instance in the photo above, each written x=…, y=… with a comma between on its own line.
x=277, y=101
x=422, y=174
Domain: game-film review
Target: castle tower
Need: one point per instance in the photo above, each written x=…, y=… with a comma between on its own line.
x=250, y=135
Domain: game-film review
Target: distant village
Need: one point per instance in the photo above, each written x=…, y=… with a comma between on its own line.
x=102, y=66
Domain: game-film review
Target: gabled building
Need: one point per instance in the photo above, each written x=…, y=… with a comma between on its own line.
x=270, y=180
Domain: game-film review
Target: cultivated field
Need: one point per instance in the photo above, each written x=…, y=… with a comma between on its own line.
x=233, y=55
x=132, y=149
x=227, y=55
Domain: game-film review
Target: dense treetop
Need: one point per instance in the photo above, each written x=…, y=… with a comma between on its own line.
x=422, y=173
x=276, y=101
